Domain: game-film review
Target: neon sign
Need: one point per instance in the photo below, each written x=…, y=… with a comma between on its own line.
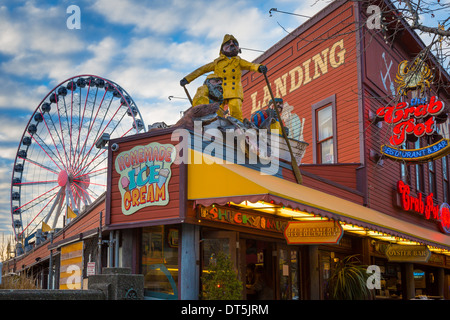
x=145, y=172
x=242, y=218
x=416, y=119
x=400, y=116
x=424, y=206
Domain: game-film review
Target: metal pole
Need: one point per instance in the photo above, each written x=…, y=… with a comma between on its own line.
x=116, y=247
x=297, y=174
x=50, y=264
x=99, y=255
x=110, y=249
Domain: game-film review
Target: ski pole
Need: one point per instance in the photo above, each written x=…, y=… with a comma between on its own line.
x=295, y=169
x=188, y=95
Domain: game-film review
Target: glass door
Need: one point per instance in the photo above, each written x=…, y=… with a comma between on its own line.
x=288, y=273
x=325, y=265
x=295, y=275
x=214, y=242
x=260, y=276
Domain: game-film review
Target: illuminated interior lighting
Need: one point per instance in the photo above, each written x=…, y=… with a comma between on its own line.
x=298, y=215
x=407, y=242
x=257, y=205
x=352, y=227
x=311, y=218
x=294, y=213
x=260, y=206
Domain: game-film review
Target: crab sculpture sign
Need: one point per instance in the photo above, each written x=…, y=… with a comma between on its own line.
x=416, y=76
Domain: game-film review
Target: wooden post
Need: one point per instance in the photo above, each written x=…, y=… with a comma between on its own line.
x=409, y=290
x=189, y=270
x=314, y=274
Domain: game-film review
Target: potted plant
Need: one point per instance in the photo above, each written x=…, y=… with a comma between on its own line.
x=348, y=280
x=221, y=281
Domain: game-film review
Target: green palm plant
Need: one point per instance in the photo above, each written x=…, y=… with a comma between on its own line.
x=349, y=280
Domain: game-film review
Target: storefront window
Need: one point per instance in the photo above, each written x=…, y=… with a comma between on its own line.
x=419, y=281
x=445, y=178
x=325, y=272
x=295, y=277
x=160, y=261
x=419, y=171
x=432, y=178
x=405, y=172
x=284, y=274
x=211, y=248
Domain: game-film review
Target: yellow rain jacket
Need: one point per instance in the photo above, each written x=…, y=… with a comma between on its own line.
x=201, y=97
x=229, y=69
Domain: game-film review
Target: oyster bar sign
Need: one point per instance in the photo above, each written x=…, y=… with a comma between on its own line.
x=145, y=172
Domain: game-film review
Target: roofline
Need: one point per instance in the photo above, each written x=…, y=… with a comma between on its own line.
x=326, y=11
x=301, y=29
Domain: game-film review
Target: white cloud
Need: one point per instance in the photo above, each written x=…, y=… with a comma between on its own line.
x=163, y=111
x=20, y=95
x=35, y=31
x=35, y=66
x=12, y=130
x=310, y=8
x=166, y=39
x=141, y=82
x=154, y=50
x=36, y=43
x=143, y=15
x=101, y=60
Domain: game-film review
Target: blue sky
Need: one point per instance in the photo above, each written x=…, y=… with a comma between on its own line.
x=146, y=46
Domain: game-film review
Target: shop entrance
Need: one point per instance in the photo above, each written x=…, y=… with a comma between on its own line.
x=260, y=278
x=272, y=270
x=269, y=270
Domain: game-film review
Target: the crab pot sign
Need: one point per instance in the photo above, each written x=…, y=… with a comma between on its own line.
x=145, y=172
x=415, y=119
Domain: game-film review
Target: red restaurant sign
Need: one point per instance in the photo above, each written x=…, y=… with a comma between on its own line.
x=425, y=206
x=405, y=118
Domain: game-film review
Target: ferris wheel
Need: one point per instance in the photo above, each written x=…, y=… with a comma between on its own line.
x=61, y=162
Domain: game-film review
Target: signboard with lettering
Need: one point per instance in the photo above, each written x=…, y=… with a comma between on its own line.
x=415, y=119
x=71, y=268
x=313, y=232
x=90, y=270
x=242, y=218
x=408, y=253
x=424, y=206
x=145, y=172
x=301, y=73
x=431, y=152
